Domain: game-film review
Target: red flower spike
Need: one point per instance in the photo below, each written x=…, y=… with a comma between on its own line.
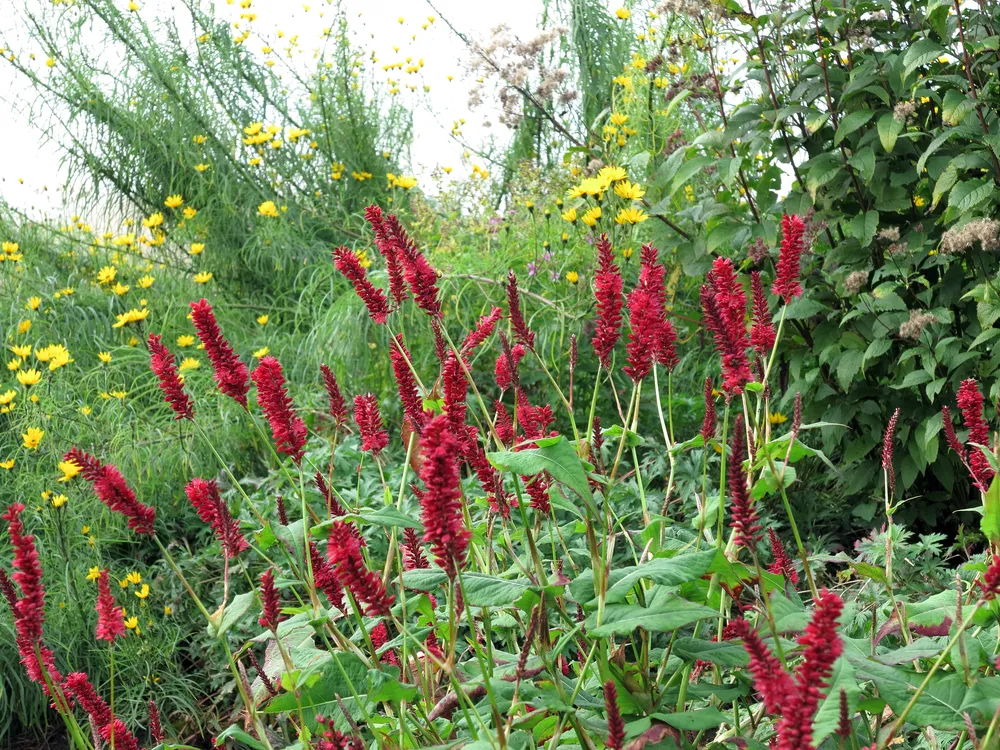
x=534, y=420
x=117, y=735
x=29, y=609
x=489, y=478
x=441, y=502
x=970, y=402
x=333, y=506
x=762, y=333
x=786, y=284
x=483, y=330
x=782, y=564
x=745, y=524
x=155, y=727
x=608, y=294
x=456, y=388
x=374, y=436
x=389, y=250
x=419, y=274
x=110, y=618
x=348, y=263
x=287, y=427
x=413, y=553
x=821, y=645
x=949, y=431
x=707, y=430
x=503, y=423
x=719, y=300
x=887, y=451
x=78, y=686
x=406, y=384
x=537, y=488
x=522, y=333
x=652, y=277
x=338, y=407
x=643, y=331
x=344, y=551
x=432, y=648
x=203, y=494
x=616, y=727
x=7, y=589
x=990, y=582
x=161, y=361
x=231, y=375
x=325, y=580
x=771, y=681
x=270, y=606
x=505, y=368
x=109, y=485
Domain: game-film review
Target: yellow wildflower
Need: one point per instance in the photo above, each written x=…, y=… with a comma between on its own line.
x=591, y=216
x=7, y=465
x=146, y=281
x=94, y=573
x=262, y=319
x=572, y=277
x=183, y=341
x=106, y=275
x=570, y=215
x=631, y=216
x=153, y=221
x=189, y=363
x=623, y=13
x=58, y=501
x=28, y=377
x=203, y=278
x=33, y=303
x=32, y=438
x=69, y=470
x=135, y=578
x=629, y=191
x=196, y=248
x=120, y=289
x=267, y=208
x=174, y=201
x=105, y=357
x=262, y=352
x=143, y=593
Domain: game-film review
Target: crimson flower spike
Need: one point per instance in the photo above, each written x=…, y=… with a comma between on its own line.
x=269, y=603
x=970, y=402
x=389, y=250
x=231, y=375
x=522, y=332
x=746, y=526
x=203, y=494
x=770, y=680
x=484, y=328
x=419, y=274
x=505, y=369
x=338, y=407
x=441, y=502
x=325, y=580
x=821, y=646
x=108, y=726
x=348, y=263
x=155, y=727
x=762, y=333
x=616, y=727
x=374, y=436
x=29, y=609
x=110, y=487
x=707, y=430
x=782, y=564
x=723, y=309
x=161, y=361
x=455, y=393
x=110, y=618
x=406, y=384
x=887, y=451
x=344, y=552
x=289, y=430
x=652, y=276
x=786, y=283
x=608, y=288
x=643, y=330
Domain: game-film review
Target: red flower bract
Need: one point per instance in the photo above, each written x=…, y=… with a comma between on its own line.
x=505, y=368
x=348, y=263
x=406, y=384
x=269, y=603
x=78, y=685
x=608, y=294
x=325, y=580
x=374, y=436
x=890, y=471
x=481, y=332
x=746, y=526
x=161, y=360
x=455, y=393
x=344, y=551
x=782, y=565
x=387, y=246
x=707, y=430
x=970, y=401
x=786, y=283
x=289, y=430
x=419, y=274
x=521, y=331
x=29, y=609
x=338, y=407
x=773, y=684
x=616, y=727
x=642, y=334
x=109, y=485
x=441, y=502
x=724, y=307
x=762, y=333
x=231, y=375
x=204, y=496
x=155, y=728
x=110, y=618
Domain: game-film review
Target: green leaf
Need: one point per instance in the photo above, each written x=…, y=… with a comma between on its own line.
x=851, y=122
x=864, y=162
x=324, y=688
x=480, y=590
x=233, y=732
x=667, y=571
x=233, y=612
x=955, y=106
x=663, y=616
x=849, y=366
x=889, y=129
x=934, y=146
x=386, y=516
x=724, y=654
x=554, y=455
x=383, y=686
x=969, y=193
x=769, y=481
x=990, y=524
x=920, y=53
x=828, y=714
x=945, y=182
x=689, y=170
x=694, y=721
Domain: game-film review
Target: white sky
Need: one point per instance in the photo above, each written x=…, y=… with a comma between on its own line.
x=29, y=158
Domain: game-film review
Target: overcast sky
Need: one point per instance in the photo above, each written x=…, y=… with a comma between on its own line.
x=374, y=24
